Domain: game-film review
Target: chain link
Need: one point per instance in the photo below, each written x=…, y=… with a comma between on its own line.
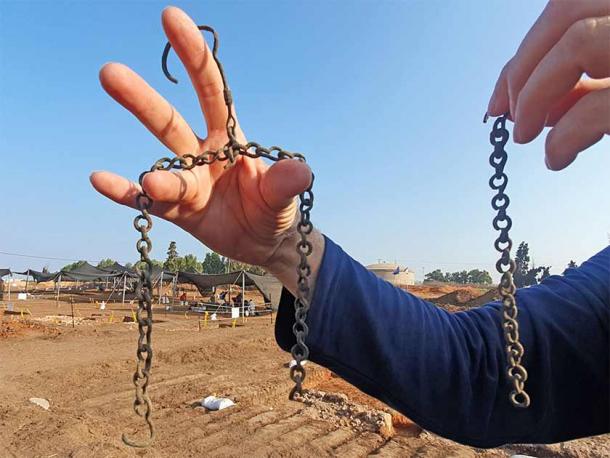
x=229, y=153
x=506, y=266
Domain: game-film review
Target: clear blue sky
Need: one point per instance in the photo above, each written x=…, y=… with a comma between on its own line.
x=384, y=98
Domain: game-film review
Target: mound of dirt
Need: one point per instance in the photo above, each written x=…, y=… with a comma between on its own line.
x=16, y=328
x=457, y=297
x=340, y=411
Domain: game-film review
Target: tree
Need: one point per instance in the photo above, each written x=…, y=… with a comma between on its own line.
x=435, y=275
x=544, y=273
x=479, y=277
x=129, y=265
x=74, y=265
x=236, y=265
x=104, y=263
x=213, y=264
x=522, y=266
x=140, y=264
x=189, y=263
x=524, y=275
x=171, y=264
x=475, y=276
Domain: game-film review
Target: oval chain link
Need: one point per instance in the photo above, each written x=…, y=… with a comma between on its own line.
x=229, y=153
x=515, y=371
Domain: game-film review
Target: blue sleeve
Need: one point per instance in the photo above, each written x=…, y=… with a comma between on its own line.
x=447, y=371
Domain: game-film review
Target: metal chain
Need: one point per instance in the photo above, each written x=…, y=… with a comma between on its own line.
x=506, y=266
x=229, y=153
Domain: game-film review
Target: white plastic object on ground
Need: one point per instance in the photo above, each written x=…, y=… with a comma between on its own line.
x=214, y=403
x=294, y=363
x=41, y=403
x=213, y=317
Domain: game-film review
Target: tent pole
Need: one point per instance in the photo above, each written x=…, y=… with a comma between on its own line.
x=160, y=287
x=58, y=288
x=243, y=294
x=9, y=288
x=124, y=285
x=27, y=277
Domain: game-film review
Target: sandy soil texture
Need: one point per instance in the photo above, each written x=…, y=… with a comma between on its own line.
x=85, y=373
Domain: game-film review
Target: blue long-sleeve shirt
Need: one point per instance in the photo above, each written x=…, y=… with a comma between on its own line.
x=447, y=371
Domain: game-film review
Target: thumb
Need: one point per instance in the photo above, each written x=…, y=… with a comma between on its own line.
x=283, y=181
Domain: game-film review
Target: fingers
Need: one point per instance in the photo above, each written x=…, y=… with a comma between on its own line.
x=583, y=48
x=116, y=188
x=162, y=119
x=554, y=21
x=283, y=182
x=582, y=88
x=172, y=187
x=124, y=192
x=582, y=126
x=197, y=58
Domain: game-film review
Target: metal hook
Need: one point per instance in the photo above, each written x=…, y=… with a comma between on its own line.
x=168, y=46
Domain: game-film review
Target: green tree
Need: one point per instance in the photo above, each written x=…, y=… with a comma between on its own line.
x=172, y=262
x=544, y=273
x=105, y=263
x=189, y=263
x=435, y=275
x=74, y=265
x=213, y=264
x=459, y=277
x=236, y=265
x=140, y=264
x=524, y=275
x=479, y=277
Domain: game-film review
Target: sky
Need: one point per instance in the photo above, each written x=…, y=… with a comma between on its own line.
x=385, y=98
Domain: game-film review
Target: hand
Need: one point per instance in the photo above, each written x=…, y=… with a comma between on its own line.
x=245, y=212
x=542, y=86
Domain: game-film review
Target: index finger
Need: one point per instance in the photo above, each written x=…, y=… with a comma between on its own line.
x=557, y=17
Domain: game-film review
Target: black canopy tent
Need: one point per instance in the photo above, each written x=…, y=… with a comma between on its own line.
x=268, y=285
x=87, y=272
x=5, y=272
x=117, y=268
x=38, y=276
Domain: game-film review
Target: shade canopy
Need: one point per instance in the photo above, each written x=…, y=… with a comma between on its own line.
x=4, y=272
x=87, y=272
x=38, y=276
x=117, y=268
x=268, y=285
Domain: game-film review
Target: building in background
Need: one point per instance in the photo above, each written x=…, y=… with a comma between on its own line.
x=393, y=273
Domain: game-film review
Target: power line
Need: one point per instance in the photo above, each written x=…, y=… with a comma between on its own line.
x=21, y=255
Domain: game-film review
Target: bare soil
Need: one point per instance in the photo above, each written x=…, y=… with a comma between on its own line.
x=85, y=373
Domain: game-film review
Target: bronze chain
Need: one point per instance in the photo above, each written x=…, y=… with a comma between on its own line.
x=229, y=153
x=506, y=266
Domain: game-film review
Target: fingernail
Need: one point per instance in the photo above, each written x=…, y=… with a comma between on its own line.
x=546, y=162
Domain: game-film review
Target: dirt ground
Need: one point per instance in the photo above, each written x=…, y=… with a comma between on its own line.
x=85, y=373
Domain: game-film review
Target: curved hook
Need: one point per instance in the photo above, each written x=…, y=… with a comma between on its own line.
x=168, y=47
x=231, y=121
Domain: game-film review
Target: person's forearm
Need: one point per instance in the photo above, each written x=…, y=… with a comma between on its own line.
x=448, y=371
x=286, y=260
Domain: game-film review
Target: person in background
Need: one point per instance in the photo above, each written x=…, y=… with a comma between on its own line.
x=445, y=371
